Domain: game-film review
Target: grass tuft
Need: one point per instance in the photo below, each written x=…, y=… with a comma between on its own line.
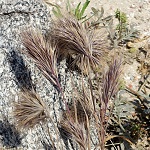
x=75, y=40
x=76, y=132
x=29, y=110
x=43, y=52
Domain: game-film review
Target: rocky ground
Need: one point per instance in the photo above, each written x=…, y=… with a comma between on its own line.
x=17, y=71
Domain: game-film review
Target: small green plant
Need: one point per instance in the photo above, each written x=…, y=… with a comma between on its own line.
x=57, y=11
x=122, y=84
x=122, y=26
x=135, y=130
x=125, y=31
x=100, y=21
x=133, y=50
x=78, y=12
x=56, y=8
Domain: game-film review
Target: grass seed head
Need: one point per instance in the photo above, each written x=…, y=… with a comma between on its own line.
x=29, y=110
x=43, y=52
x=111, y=80
x=85, y=46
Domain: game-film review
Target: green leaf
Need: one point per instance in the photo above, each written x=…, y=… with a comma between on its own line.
x=68, y=6
x=77, y=10
x=108, y=18
x=57, y=12
x=95, y=11
x=85, y=5
x=83, y=17
x=102, y=13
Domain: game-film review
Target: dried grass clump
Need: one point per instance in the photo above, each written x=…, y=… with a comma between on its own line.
x=83, y=45
x=77, y=120
x=29, y=110
x=76, y=132
x=75, y=124
x=43, y=52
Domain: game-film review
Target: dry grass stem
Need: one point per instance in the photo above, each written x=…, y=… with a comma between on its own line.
x=111, y=81
x=43, y=52
x=109, y=89
x=29, y=110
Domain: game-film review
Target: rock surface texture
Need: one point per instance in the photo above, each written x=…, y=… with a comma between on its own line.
x=16, y=73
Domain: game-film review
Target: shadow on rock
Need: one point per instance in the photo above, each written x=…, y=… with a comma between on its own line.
x=20, y=70
x=47, y=146
x=10, y=137
x=65, y=137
